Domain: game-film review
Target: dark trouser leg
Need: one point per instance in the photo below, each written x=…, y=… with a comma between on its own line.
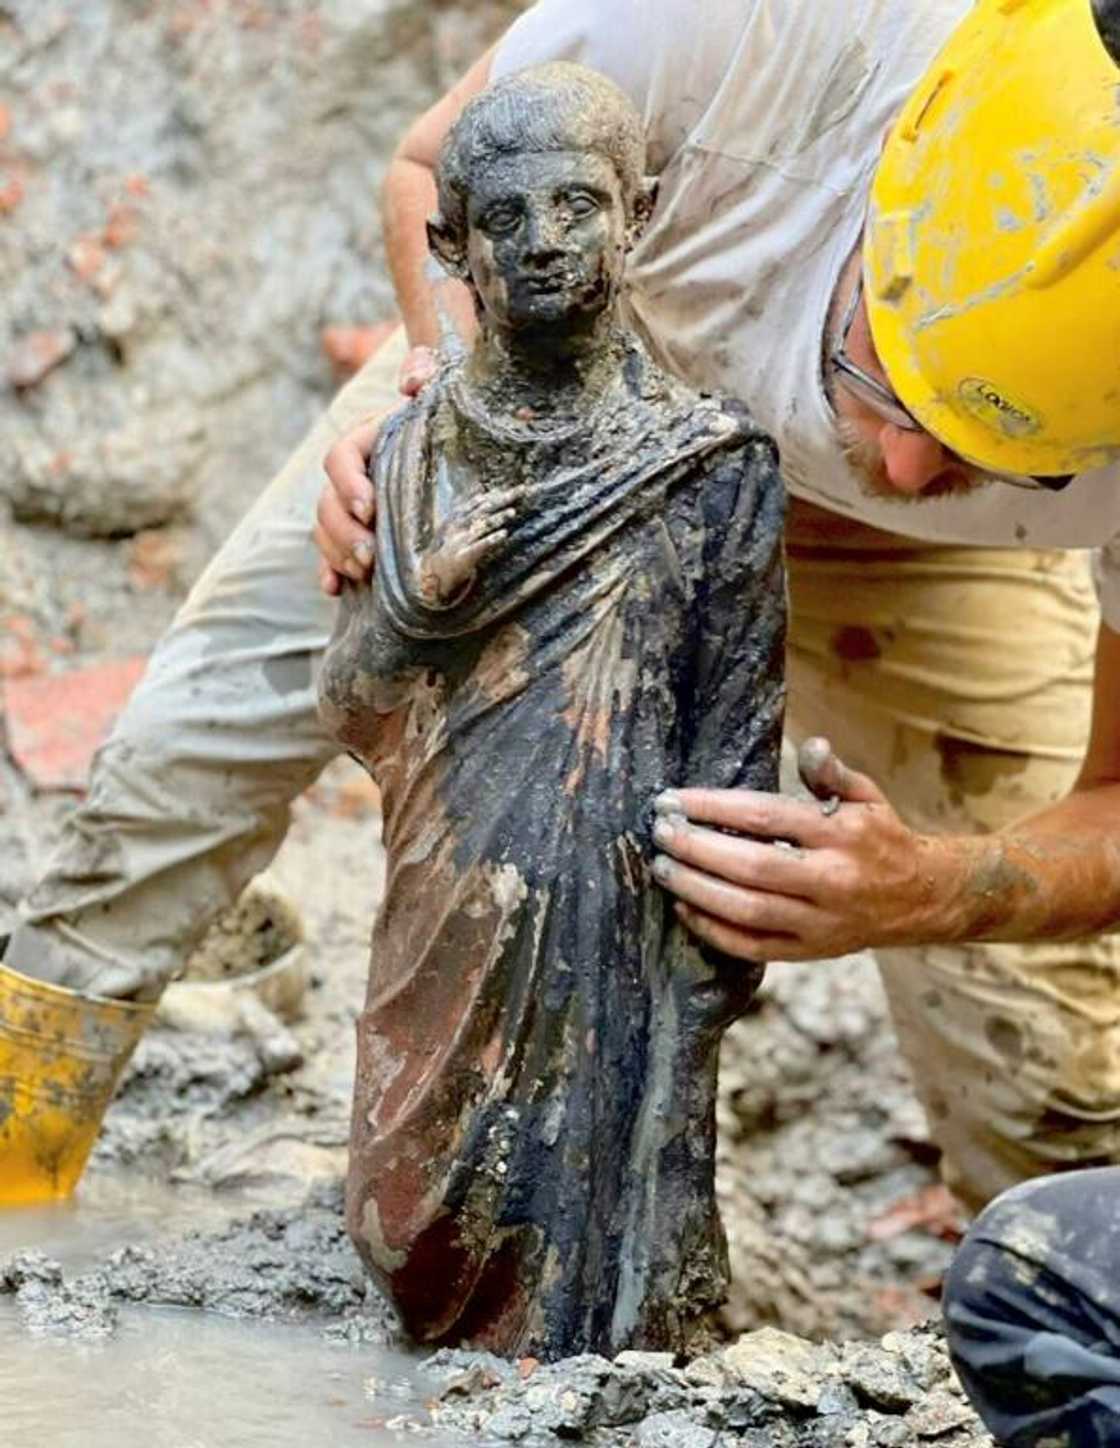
x=1032, y=1309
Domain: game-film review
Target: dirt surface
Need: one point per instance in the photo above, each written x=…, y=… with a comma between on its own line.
x=259, y=928
x=186, y=202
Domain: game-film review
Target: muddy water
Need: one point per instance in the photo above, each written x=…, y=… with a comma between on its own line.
x=175, y=1378
x=179, y=1379
x=108, y=1211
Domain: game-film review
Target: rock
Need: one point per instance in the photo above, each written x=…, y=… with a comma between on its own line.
x=51, y=1307
x=879, y=1379
x=938, y=1413
x=110, y=484
x=779, y=1366
x=37, y=354
x=675, y=1430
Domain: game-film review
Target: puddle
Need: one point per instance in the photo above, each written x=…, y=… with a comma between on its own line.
x=178, y=1379
x=109, y=1210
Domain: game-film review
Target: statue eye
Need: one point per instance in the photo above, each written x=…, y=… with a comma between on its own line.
x=501, y=220
x=582, y=203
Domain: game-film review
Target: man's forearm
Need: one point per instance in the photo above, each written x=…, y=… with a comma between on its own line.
x=1055, y=876
x=408, y=200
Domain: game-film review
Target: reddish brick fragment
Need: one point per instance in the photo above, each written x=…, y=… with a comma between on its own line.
x=57, y=721
x=38, y=353
x=86, y=257
x=121, y=227
x=20, y=653
x=11, y=191
x=347, y=348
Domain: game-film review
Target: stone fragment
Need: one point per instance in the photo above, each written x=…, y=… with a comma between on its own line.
x=938, y=1413
x=780, y=1366
x=675, y=1430
x=37, y=354
x=108, y=484
x=153, y=560
x=878, y=1379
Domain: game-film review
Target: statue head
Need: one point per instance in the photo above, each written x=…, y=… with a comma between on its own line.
x=542, y=192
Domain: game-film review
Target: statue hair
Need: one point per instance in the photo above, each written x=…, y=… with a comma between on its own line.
x=555, y=107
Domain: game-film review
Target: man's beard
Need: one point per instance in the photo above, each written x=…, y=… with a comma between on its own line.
x=865, y=459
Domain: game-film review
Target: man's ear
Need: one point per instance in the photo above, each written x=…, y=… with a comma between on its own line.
x=644, y=202
x=446, y=248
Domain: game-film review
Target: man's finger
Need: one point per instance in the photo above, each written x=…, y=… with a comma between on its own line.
x=417, y=370
x=781, y=869
x=825, y=774
x=346, y=465
x=749, y=812
x=751, y=910
x=730, y=940
x=344, y=544
x=329, y=581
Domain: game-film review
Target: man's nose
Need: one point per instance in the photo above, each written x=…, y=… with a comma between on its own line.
x=913, y=459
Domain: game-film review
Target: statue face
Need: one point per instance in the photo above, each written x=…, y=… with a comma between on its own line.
x=546, y=242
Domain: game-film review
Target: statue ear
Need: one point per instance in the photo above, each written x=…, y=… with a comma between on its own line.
x=644, y=202
x=446, y=247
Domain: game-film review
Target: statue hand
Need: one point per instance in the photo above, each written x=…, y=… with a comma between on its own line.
x=470, y=536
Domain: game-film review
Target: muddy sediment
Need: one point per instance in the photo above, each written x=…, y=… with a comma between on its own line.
x=296, y=1265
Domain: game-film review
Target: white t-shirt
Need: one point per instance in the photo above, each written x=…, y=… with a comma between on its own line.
x=764, y=120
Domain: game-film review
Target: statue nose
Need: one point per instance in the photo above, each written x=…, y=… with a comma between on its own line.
x=544, y=238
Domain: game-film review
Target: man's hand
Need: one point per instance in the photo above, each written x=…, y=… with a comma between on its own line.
x=799, y=880
x=343, y=532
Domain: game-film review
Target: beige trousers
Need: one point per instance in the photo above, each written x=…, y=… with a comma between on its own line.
x=959, y=678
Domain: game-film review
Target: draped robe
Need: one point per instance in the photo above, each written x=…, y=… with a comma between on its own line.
x=533, y=1128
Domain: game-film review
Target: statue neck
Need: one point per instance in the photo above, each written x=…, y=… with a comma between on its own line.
x=541, y=376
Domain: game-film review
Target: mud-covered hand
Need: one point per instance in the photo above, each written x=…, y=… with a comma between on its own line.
x=471, y=535
x=798, y=879
x=344, y=518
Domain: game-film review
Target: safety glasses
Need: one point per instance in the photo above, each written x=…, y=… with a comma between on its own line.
x=882, y=401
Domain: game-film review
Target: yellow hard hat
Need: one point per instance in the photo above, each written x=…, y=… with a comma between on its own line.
x=992, y=245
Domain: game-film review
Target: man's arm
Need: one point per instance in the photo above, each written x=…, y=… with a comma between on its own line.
x=408, y=198
x=850, y=874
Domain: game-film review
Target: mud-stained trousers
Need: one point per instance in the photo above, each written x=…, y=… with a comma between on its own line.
x=958, y=678
x=1032, y=1312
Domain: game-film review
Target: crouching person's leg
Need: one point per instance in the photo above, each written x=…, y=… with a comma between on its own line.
x=187, y=801
x=1032, y=1310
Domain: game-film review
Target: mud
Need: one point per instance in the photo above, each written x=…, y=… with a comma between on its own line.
x=285, y=1264
x=254, y=933
x=297, y=1266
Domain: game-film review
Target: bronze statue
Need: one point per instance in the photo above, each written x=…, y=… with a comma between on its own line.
x=578, y=601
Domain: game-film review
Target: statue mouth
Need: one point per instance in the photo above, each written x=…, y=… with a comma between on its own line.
x=547, y=285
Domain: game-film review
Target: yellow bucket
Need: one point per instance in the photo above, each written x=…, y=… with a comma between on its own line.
x=61, y=1055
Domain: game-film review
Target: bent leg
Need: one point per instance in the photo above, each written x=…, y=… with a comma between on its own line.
x=1032, y=1311
x=960, y=680
x=190, y=796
